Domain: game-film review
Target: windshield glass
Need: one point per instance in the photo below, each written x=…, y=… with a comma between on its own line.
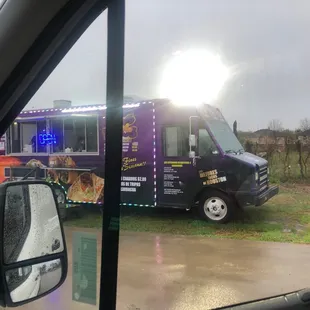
x=222, y=133
x=224, y=136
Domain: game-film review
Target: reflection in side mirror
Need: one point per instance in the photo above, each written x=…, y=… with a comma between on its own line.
x=34, y=280
x=31, y=233
x=31, y=223
x=56, y=245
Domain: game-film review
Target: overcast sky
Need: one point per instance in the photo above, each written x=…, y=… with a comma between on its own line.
x=266, y=43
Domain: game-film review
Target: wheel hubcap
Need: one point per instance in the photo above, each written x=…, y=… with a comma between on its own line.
x=215, y=208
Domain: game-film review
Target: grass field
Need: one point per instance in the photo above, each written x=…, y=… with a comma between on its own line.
x=286, y=218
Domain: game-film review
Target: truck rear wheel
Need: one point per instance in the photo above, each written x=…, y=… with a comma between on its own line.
x=216, y=207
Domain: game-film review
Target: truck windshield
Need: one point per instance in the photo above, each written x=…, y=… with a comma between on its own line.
x=224, y=136
x=220, y=130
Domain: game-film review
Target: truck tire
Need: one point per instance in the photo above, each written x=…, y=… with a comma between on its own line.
x=216, y=207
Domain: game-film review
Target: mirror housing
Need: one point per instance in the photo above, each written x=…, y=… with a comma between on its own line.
x=192, y=141
x=192, y=154
x=33, y=254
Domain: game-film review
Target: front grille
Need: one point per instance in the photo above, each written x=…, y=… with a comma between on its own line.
x=263, y=178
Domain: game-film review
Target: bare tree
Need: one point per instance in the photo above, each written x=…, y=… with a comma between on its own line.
x=304, y=124
x=301, y=162
x=275, y=125
x=273, y=139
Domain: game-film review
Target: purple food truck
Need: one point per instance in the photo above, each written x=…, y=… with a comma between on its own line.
x=179, y=157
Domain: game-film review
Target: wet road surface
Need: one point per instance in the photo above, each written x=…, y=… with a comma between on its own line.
x=49, y=280
x=171, y=272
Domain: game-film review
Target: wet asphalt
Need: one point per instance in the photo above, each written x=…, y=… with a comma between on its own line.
x=181, y=272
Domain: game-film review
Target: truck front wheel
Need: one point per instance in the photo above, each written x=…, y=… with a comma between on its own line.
x=216, y=207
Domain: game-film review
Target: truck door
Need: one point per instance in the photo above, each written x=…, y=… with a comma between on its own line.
x=209, y=163
x=176, y=172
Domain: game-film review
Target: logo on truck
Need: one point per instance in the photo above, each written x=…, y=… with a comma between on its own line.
x=131, y=163
x=130, y=132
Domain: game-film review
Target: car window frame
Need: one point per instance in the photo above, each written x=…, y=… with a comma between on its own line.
x=21, y=85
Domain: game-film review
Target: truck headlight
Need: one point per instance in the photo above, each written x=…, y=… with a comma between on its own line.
x=256, y=176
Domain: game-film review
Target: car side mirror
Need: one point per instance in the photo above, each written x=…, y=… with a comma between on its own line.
x=33, y=259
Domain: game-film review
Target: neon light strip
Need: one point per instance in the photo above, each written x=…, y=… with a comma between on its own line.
x=86, y=108
x=154, y=155
x=84, y=202
x=83, y=109
x=135, y=205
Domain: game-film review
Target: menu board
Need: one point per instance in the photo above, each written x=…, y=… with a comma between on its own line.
x=172, y=170
x=171, y=181
x=131, y=184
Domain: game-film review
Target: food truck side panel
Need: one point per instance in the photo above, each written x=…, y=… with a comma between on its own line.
x=137, y=184
x=82, y=174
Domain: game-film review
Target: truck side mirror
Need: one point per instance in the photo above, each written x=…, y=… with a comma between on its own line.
x=192, y=154
x=33, y=258
x=192, y=141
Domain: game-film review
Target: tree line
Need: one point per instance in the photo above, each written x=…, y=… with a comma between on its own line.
x=287, y=151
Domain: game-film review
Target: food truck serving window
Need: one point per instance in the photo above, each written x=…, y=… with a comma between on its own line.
x=23, y=137
x=55, y=135
x=75, y=134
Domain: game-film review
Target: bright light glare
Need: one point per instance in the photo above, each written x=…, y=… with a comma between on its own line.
x=193, y=77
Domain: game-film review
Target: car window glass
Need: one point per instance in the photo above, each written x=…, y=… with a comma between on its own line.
x=249, y=62
x=206, y=145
